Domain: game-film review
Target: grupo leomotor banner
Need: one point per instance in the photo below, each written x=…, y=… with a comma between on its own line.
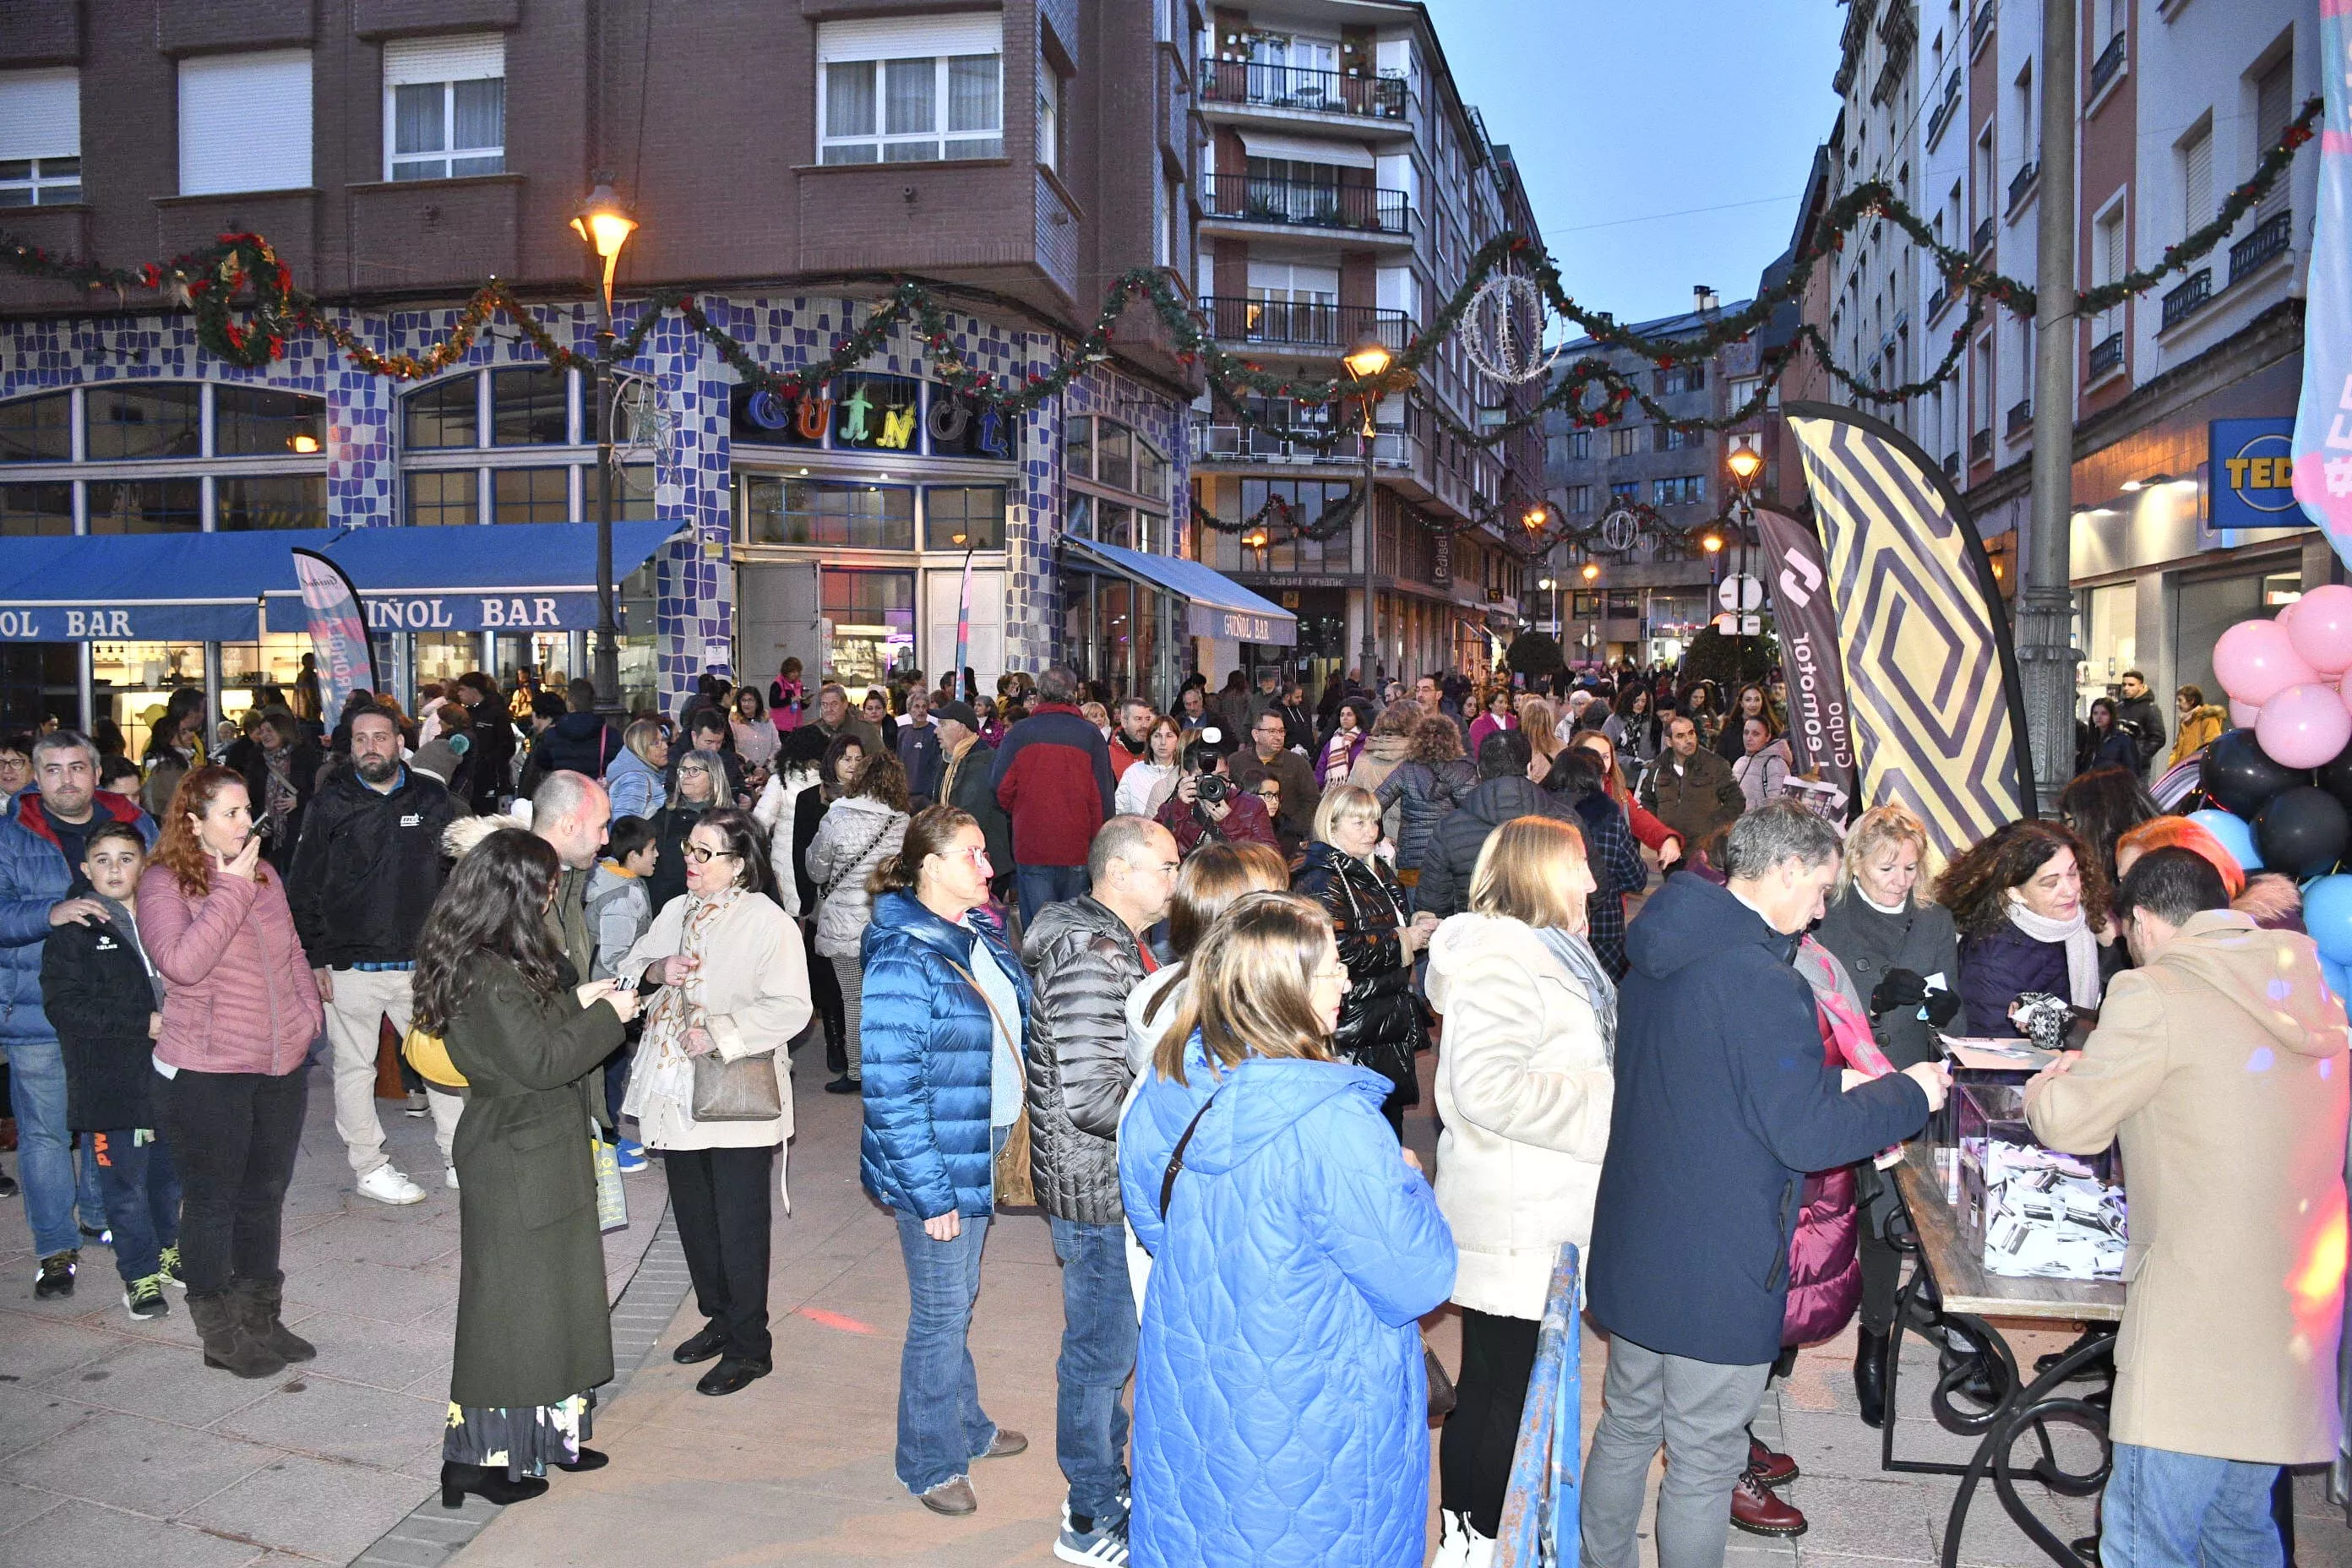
x=338, y=632
x=1931, y=676
x=1819, y=722
x=2322, y=416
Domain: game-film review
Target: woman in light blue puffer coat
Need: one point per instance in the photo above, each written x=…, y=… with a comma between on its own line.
x=1281, y=1412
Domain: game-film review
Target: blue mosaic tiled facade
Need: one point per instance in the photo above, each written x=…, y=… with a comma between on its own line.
x=693, y=482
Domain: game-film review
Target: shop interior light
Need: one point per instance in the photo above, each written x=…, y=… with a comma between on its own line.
x=304, y=443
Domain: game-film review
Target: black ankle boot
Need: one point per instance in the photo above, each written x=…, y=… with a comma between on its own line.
x=588, y=1459
x=1870, y=1375
x=487, y=1482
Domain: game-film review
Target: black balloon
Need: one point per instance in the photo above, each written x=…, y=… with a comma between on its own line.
x=2241, y=777
x=2336, y=778
x=2301, y=832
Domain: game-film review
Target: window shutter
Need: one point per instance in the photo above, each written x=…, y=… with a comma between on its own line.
x=40, y=113
x=2197, y=183
x=410, y=61
x=245, y=122
x=910, y=38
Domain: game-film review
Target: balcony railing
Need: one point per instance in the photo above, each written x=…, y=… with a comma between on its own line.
x=1297, y=445
x=1938, y=299
x=1980, y=446
x=2106, y=354
x=1982, y=242
x=2022, y=184
x=1951, y=464
x=1295, y=87
x=1980, y=25
x=2110, y=61
x=2268, y=240
x=1945, y=109
x=2192, y=294
x=1304, y=322
x=1257, y=199
x=2020, y=418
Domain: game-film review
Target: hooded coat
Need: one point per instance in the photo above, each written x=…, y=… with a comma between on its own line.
x=1452, y=853
x=2197, y=731
x=634, y=785
x=1723, y=1104
x=1422, y=794
x=1281, y=1410
x=2220, y=1066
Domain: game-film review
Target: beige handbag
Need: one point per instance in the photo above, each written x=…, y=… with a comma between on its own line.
x=744, y=1090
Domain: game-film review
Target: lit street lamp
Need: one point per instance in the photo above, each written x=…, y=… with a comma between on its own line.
x=1591, y=574
x=1368, y=360
x=1746, y=462
x=605, y=225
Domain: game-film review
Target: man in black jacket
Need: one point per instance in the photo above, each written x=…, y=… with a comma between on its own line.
x=365, y=874
x=2139, y=709
x=966, y=763
x=1085, y=956
x=492, y=736
x=1721, y=1105
x=580, y=741
x=1504, y=792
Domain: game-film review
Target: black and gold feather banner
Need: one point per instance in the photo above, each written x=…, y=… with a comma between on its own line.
x=1939, y=712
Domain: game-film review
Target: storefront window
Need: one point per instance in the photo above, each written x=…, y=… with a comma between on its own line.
x=37, y=429
x=246, y=667
x=441, y=656
x=873, y=616
x=146, y=506
x=29, y=510
x=131, y=680
x=1079, y=448
x=442, y=496
x=443, y=414
x=244, y=502
x=530, y=495
x=141, y=420
x=967, y=517
x=256, y=422
x=160, y=422
x=1106, y=456
x=841, y=513
x=530, y=405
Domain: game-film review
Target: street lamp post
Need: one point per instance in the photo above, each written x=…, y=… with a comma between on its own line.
x=1551, y=586
x=1746, y=465
x=1365, y=361
x=605, y=224
x=1591, y=573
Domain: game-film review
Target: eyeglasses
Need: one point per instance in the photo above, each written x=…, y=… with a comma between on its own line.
x=702, y=857
x=1339, y=975
x=977, y=854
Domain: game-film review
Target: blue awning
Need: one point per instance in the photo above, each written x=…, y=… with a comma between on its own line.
x=1218, y=606
x=227, y=587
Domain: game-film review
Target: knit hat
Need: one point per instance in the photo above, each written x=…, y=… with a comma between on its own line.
x=439, y=756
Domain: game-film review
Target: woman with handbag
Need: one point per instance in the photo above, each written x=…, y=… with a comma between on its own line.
x=712, y=1085
x=1281, y=1406
x=947, y=1006
x=859, y=831
x=534, y=1330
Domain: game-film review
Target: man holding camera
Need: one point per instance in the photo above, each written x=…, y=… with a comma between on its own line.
x=1208, y=807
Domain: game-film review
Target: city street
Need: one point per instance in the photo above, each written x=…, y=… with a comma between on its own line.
x=116, y=1444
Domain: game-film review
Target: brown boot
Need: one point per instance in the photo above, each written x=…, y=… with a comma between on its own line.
x=1757, y=1510
x=259, y=1303
x=227, y=1346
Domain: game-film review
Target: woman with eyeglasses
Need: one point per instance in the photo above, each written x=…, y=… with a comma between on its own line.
x=699, y=788
x=734, y=986
x=860, y=831
x=947, y=1006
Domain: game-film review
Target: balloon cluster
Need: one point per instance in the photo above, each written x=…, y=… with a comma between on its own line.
x=2281, y=783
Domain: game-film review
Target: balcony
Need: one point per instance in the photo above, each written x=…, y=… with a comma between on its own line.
x=1982, y=242
x=1251, y=199
x=2021, y=186
x=1294, y=87
x=2107, y=356
x=1947, y=111
x=2020, y=418
x=1298, y=446
x=1980, y=446
x=2109, y=64
x=2192, y=294
x=1951, y=464
x=1938, y=299
x=1304, y=325
x=2268, y=240
x=1980, y=25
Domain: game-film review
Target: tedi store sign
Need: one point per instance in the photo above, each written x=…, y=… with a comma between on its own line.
x=2251, y=475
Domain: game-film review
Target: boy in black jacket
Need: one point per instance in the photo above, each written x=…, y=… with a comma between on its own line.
x=102, y=997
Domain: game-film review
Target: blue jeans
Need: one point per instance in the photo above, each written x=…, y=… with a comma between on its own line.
x=1042, y=885
x=2167, y=1510
x=142, y=1198
x=45, y=1162
x=941, y=1428
x=1098, y=1333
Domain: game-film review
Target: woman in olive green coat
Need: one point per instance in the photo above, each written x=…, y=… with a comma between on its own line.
x=534, y=1335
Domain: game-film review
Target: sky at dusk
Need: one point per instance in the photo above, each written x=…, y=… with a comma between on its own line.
x=1664, y=143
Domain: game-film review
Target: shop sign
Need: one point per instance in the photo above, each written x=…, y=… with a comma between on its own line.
x=1239, y=626
x=871, y=414
x=2251, y=475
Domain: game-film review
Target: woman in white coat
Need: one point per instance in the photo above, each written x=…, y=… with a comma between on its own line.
x=734, y=983
x=859, y=831
x=1523, y=1096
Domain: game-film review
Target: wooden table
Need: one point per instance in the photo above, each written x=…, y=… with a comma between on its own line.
x=1951, y=1291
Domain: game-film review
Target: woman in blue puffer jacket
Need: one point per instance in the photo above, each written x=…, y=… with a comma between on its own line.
x=946, y=1009
x=1281, y=1413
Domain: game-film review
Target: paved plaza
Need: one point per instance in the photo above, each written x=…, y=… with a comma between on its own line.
x=117, y=1446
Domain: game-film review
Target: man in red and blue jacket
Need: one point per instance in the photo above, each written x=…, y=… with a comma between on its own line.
x=1052, y=776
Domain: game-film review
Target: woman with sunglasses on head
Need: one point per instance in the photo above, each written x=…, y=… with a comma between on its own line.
x=700, y=787
x=734, y=986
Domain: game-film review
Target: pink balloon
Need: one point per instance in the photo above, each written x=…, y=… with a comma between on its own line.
x=2255, y=662
x=2246, y=715
x=2285, y=617
x=2321, y=629
x=2303, y=726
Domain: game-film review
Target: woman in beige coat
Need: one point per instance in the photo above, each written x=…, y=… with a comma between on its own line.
x=1523, y=1095
x=734, y=982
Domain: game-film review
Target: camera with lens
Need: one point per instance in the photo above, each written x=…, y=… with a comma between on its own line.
x=1213, y=786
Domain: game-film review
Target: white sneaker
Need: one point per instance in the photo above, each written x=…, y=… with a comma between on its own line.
x=1460, y=1546
x=449, y=1177
x=385, y=1184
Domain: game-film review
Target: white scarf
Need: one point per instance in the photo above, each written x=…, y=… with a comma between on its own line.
x=2082, y=947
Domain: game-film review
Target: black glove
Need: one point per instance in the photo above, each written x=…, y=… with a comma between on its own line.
x=1943, y=1006
x=1899, y=988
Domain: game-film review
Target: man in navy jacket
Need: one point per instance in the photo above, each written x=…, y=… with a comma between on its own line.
x=1723, y=1104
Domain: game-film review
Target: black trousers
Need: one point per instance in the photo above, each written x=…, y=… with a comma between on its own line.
x=1882, y=1279
x=1474, y=1452
x=825, y=995
x=720, y=1199
x=234, y=1136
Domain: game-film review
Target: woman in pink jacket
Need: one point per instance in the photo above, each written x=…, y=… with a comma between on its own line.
x=240, y=1010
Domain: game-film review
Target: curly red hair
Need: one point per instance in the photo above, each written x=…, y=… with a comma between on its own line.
x=177, y=847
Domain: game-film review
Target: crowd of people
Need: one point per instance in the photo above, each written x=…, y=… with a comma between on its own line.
x=1175, y=978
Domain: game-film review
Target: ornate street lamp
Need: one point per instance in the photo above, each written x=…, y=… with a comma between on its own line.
x=605, y=225
x=1367, y=361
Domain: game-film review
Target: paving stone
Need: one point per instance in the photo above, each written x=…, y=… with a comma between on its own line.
x=22, y=1505
x=35, y=1347
x=165, y=1381
x=331, y=1419
x=84, y=1535
x=128, y=1462
x=31, y=1416
x=310, y=1505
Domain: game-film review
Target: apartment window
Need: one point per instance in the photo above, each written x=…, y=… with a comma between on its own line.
x=1682, y=378
x=2274, y=105
x=1624, y=441
x=40, y=137
x=1988, y=174
x=1673, y=440
x=1580, y=499
x=1049, y=116
x=444, y=102
x=1580, y=446
x=1685, y=489
x=2197, y=179
x=911, y=89
x=2025, y=108
x=245, y=122
x=1624, y=493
